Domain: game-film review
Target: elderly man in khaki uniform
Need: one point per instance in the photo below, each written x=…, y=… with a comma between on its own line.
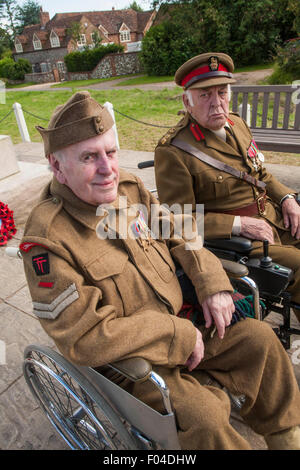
x=103, y=299
x=211, y=158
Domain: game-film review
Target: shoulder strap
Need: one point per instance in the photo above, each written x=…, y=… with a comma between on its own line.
x=216, y=163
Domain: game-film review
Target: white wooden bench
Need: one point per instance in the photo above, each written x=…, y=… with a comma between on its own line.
x=274, y=117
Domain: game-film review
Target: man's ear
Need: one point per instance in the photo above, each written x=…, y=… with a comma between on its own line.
x=186, y=103
x=55, y=165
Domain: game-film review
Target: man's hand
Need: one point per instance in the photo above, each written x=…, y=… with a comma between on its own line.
x=197, y=354
x=291, y=216
x=256, y=229
x=218, y=308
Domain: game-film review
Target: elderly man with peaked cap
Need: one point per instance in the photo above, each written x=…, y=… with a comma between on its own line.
x=103, y=299
x=211, y=158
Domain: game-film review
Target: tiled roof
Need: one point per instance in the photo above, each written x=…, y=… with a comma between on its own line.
x=111, y=20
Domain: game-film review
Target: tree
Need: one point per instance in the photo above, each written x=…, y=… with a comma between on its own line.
x=27, y=14
x=74, y=31
x=8, y=10
x=248, y=30
x=134, y=6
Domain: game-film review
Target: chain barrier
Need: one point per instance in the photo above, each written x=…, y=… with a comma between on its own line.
x=6, y=115
x=141, y=122
x=34, y=115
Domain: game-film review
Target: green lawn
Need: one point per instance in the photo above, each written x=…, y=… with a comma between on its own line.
x=145, y=79
x=20, y=85
x=154, y=107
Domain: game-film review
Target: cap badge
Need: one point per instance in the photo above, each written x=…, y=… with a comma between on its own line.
x=213, y=63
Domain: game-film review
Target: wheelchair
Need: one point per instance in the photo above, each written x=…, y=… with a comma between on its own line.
x=91, y=411
x=271, y=279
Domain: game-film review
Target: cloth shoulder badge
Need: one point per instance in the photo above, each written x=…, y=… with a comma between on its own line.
x=255, y=155
x=41, y=264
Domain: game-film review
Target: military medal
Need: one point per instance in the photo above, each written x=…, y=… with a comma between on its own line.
x=255, y=155
x=141, y=230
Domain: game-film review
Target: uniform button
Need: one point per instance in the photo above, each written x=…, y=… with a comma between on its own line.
x=98, y=119
x=55, y=200
x=101, y=128
x=220, y=177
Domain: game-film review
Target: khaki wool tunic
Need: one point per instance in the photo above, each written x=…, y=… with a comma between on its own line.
x=102, y=300
x=184, y=179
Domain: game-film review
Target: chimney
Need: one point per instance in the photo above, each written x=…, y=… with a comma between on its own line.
x=44, y=17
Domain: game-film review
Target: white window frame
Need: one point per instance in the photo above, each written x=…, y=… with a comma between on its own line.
x=54, y=39
x=44, y=67
x=60, y=66
x=18, y=46
x=37, y=45
x=82, y=40
x=125, y=36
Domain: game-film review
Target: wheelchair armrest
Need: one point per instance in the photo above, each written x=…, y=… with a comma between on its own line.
x=234, y=270
x=136, y=369
x=239, y=244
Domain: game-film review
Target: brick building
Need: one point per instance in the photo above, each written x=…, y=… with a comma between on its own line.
x=46, y=44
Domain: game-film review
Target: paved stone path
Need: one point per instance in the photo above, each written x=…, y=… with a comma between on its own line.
x=22, y=423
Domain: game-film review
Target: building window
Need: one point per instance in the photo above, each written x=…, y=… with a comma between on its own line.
x=54, y=39
x=60, y=67
x=18, y=46
x=82, y=40
x=125, y=36
x=36, y=43
x=44, y=67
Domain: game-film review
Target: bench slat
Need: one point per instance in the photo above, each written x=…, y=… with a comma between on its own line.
x=265, y=109
x=287, y=105
x=275, y=111
x=254, y=109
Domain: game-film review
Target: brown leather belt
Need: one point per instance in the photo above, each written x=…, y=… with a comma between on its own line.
x=256, y=208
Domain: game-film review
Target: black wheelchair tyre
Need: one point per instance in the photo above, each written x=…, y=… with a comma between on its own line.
x=78, y=412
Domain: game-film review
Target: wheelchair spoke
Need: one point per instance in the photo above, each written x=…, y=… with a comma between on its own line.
x=70, y=409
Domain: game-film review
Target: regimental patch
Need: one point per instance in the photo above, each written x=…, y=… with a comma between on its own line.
x=196, y=131
x=48, y=285
x=41, y=264
x=213, y=63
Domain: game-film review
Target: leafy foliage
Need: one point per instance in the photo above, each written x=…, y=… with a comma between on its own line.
x=87, y=60
x=14, y=70
x=248, y=30
x=287, y=68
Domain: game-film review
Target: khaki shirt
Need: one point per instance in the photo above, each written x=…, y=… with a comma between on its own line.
x=102, y=300
x=184, y=179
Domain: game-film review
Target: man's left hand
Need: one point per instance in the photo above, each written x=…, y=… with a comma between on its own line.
x=291, y=216
x=218, y=308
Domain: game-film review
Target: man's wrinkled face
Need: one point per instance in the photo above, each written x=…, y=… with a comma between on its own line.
x=89, y=168
x=209, y=106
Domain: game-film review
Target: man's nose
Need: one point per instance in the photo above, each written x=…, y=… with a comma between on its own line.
x=215, y=99
x=104, y=165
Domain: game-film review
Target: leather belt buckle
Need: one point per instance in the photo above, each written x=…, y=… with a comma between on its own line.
x=261, y=205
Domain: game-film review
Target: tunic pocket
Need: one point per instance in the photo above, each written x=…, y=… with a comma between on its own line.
x=160, y=258
x=108, y=264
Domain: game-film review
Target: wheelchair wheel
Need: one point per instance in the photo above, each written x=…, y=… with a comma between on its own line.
x=78, y=412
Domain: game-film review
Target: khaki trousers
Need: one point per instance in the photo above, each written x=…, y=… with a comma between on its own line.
x=250, y=360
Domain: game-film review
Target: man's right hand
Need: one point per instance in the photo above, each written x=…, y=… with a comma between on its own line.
x=197, y=354
x=256, y=229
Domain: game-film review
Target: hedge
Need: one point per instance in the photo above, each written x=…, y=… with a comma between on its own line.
x=87, y=60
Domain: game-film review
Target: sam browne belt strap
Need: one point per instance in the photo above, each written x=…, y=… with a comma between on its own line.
x=217, y=164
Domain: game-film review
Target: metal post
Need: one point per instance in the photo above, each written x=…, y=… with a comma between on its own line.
x=110, y=108
x=21, y=122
